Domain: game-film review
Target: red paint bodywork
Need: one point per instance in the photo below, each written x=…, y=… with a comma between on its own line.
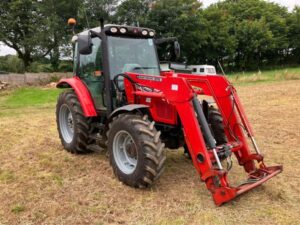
x=82, y=93
x=172, y=93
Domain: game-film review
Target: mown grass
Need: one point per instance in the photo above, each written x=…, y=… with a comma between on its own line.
x=18, y=208
x=23, y=100
x=30, y=97
x=292, y=73
x=41, y=183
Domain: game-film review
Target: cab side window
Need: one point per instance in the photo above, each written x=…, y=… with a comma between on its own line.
x=91, y=65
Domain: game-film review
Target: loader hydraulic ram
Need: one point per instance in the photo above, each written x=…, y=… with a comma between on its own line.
x=120, y=99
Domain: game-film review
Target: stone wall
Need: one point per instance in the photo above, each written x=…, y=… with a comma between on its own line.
x=14, y=79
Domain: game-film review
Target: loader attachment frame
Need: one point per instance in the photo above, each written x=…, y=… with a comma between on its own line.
x=180, y=91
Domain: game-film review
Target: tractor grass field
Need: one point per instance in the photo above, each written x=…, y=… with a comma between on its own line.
x=40, y=183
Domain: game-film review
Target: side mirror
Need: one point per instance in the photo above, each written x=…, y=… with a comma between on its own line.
x=177, y=49
x=85, y=44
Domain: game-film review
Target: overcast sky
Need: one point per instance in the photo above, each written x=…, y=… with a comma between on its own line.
x=4, y=50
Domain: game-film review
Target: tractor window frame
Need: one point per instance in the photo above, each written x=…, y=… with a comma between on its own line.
x=75, y=59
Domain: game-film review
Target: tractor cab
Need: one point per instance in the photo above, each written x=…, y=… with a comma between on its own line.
x=102, y=53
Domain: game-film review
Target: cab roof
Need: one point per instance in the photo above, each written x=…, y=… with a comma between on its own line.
x=130, y=31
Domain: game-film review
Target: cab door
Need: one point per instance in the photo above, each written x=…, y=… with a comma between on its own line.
x=89, y=69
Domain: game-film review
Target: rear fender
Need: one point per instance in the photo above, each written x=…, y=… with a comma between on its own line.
x=82, y=93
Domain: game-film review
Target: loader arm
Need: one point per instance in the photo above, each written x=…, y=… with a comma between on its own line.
x=179, y=91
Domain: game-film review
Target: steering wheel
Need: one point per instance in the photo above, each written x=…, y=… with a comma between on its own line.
x=134, y=67
x=119, y=81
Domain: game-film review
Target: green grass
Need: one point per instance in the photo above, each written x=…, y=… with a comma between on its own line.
x=29, y=97
x=18, y=208
x=292, y=73
x=6, y=176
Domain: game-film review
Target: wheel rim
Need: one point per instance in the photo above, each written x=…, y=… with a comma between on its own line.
x=66, y=123
x=125, y=152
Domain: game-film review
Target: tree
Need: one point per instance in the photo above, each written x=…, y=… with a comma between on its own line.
x=294, y=34
x=23, y=29
x=92, y=11
x=56, y=14
x=255, y=39
x=251, y=32
x=245, y=34
x=221, y=42
x=133, y=12
x=182, y=19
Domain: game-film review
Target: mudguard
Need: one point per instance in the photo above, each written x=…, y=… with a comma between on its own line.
x=82, y=93
x=127, y=108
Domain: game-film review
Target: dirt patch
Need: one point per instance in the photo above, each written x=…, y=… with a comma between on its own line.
x=51, y=85
x=3, y=85
x=41, y=183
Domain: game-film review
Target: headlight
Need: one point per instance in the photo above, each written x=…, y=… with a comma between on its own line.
x=123, y=30
x=145, y=32
x=151, y=33
x=113, y=30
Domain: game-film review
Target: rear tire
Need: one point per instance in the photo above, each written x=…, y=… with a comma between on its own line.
x=73, y=127
x=136, y=153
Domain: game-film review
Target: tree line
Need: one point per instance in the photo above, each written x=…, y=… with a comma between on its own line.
x=241, y=34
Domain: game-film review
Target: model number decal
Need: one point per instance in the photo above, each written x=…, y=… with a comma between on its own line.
x=158, y=79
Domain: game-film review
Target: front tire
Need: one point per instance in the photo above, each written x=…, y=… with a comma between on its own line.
x=73, y=127
x=135, y=150
x=215, y=120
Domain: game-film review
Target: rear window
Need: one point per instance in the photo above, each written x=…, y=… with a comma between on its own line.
x=211, y=70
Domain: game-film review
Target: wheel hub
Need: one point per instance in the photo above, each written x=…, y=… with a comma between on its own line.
x=70, y=121
x=130, y=150
x=125, y=152
x=66, y=123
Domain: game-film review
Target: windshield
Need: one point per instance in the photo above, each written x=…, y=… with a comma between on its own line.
x=132, y=55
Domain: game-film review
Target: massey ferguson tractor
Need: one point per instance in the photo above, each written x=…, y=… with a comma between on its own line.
x=121, y=100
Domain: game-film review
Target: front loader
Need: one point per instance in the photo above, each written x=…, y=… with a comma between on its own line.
x=119, y=99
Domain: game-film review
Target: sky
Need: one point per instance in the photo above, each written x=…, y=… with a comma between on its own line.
x=4, y=50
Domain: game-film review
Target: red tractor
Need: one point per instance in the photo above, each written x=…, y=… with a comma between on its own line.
x=120, y=99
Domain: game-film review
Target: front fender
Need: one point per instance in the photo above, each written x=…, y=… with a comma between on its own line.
x=127, y=108
x=82, y=92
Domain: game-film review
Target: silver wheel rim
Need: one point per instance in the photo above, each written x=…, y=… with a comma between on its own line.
x=66, y=123
x=125, y=152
